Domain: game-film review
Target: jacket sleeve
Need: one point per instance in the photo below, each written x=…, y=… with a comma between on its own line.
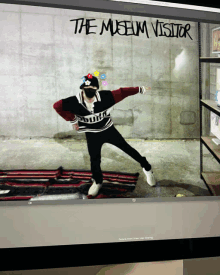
x=122, y=93
x=68, y=116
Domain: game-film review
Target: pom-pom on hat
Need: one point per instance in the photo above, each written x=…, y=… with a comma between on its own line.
x=90, y=80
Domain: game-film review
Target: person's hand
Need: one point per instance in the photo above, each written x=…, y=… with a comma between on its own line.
x=144, y=89
x=76, y=127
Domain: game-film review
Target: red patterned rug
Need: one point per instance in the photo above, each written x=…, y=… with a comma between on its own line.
x=28, y=184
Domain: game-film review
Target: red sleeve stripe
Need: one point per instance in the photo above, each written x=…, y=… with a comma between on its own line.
x=68, y=116
x=122, y=93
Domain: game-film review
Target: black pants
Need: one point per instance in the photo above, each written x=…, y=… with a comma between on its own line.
x=112, y=136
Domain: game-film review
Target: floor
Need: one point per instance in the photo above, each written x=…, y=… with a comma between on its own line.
x=176, y=163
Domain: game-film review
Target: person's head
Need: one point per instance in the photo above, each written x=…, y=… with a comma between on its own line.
x=90, y=86
x=90, y=91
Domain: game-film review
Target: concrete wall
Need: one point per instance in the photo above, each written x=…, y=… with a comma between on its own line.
x=42, y=61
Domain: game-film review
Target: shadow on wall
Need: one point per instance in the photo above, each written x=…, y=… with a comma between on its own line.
x=170, y=188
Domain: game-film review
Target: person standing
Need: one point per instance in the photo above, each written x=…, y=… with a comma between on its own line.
x=89, y=113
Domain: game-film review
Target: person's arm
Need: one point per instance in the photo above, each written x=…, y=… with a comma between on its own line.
x=122, y=93
x=68, y=116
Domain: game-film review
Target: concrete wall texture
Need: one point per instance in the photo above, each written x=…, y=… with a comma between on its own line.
x=43, y=60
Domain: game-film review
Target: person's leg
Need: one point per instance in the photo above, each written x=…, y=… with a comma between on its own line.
x=116, y=139
x=94, y=144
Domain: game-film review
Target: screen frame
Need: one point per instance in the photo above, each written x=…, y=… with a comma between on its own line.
x=127, y=8
x=154, y=10
x=196, y=204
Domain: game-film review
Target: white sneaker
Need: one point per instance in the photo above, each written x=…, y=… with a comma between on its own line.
x=150, y=177
x=94, y=189
x=4, y=191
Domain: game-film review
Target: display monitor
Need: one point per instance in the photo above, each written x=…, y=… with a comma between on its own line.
x=99, y=124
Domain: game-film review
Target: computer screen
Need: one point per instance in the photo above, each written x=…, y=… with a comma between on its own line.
x=99, y=119
x=133, y=129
